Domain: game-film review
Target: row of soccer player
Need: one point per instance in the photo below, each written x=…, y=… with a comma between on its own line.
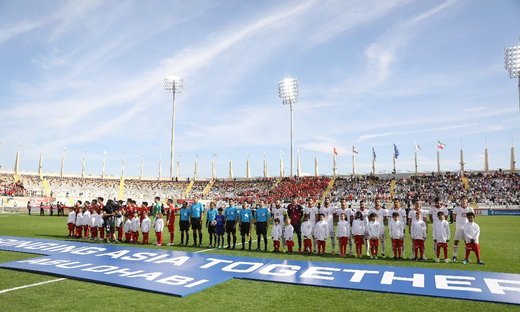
x=225, y=220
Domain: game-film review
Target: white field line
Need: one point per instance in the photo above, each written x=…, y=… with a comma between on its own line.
x=31, y=285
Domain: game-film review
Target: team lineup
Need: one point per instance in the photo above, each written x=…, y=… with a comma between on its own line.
x=312, y=224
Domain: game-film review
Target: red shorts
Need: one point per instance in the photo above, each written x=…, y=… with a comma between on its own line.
x=71, y=226
x=343, y=240
x=473, y=247
x=359, y=239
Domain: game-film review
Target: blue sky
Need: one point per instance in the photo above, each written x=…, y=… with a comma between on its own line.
x=88, y=76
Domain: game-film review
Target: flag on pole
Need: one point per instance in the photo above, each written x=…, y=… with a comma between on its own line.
x=374, y=156
x=334, y=151
x=396, y=152
x=417, y=147
x=440, y=145
x=354, y=150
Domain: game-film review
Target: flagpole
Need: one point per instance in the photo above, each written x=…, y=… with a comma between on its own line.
x=393, y=162
x=62, y=162
x=373, y=161
x=248, y=170
x=281, y=166
x=17, y=162
x=334, y=167
x=231, y=170
x=213, y=170
x=299, y=165
x=103, y=166
x=160, y=166
x=83, y=165
x=178, y=176
x=438, y=163
x=461, y=160
x=196, y=170
x=40, y=165
x=123, y=167
x=415, y=160
x=513, y=162
x=486, y=160
x=353, y=163
x=141, y=174
x=316, y=172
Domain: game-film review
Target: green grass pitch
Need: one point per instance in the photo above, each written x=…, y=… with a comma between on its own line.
x=499, y=246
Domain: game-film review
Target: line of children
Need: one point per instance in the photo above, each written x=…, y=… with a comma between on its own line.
x=352, y=229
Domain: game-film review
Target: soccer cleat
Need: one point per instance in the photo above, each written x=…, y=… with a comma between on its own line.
x=454, y=259
x=465, y=262
x=210, y=246
x=170, y=244
x=437, y=260
x=480, y=262
x=447, y=260
x=383, y=255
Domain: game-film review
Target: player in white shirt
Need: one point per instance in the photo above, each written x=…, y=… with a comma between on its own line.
x=328, y=212
x=276, y=234
x=146, y=225
x=279, y=212
x=472, y=234
x=288, y=232
x=459, y=214
x=321, y=232
x=442, y=234
x=359, y=232
x=158, y=224
x=343, y=234
x=434, y=211
x=93, y=224
x=349, y=217
x=312, y=210
x=418, y=234
x=71, y=221
x=307, y=231
x=396, y=229
x=382, y=219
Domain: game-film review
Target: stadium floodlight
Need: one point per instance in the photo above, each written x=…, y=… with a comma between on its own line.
x=288, y=92
x=174, y=85
x=512, y=64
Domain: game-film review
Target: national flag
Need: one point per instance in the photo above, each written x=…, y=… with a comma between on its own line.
x=334, y=152
x=396, y=151
x=417, y=147
x=374, y=156
x=440, y=145
x=354, y=150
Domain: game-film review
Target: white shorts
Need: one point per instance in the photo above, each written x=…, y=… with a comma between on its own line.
x=459, y=234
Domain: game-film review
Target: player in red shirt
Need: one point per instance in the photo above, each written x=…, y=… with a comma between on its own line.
x=295, y=213
x=170, y=219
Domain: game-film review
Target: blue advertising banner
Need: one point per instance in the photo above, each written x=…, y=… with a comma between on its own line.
x=182, y=273
x=504, y=212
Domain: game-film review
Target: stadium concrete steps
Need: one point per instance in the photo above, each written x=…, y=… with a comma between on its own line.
x=121, y=194
x=208, y=187
x=393, y=183
x=188, y=189
x=328, y=189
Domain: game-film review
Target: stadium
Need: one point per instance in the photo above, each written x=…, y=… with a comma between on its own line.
x=298, y=155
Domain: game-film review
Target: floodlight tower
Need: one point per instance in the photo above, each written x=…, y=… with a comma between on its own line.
x=512, y=64
x=288, y=92
x=174, y=85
